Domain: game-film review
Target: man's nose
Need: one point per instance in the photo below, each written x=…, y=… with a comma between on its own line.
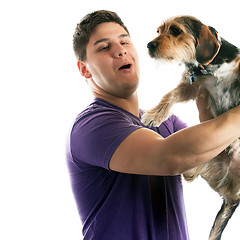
x=120, y=52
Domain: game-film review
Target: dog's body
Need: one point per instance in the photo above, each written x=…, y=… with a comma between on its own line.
x=212, y=64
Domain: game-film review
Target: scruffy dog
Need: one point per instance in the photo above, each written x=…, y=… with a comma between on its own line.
x=212, y=64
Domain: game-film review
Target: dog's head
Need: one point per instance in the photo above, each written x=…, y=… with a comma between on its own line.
x=186, y=39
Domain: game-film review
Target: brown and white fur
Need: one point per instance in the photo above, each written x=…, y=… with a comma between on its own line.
x=212, y=64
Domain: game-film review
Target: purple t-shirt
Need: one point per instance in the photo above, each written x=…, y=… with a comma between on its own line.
x=119, y=206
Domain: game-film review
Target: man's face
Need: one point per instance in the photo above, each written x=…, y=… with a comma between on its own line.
x=112, y=60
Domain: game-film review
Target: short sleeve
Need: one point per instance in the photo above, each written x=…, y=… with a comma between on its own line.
x=170, y=126
x=95, y=137
x=178, y=124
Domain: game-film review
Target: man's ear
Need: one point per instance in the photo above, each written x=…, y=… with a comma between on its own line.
x=83, y=69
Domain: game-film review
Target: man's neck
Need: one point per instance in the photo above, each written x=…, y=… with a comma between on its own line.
x=129, y=104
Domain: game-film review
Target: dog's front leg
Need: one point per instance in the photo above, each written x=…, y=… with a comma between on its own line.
x=182, y=93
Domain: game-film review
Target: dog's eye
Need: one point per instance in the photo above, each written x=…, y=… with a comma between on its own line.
x=175, y=31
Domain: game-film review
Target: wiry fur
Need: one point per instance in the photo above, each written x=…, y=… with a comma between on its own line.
x=215, y=66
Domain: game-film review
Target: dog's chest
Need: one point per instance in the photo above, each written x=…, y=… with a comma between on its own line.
x=223, y=87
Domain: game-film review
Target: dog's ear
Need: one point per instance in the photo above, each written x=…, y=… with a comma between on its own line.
x=207, y=46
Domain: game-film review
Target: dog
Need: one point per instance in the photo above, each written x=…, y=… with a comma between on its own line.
x=212, y=65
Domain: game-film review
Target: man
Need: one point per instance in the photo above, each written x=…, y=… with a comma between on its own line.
x=125, y=176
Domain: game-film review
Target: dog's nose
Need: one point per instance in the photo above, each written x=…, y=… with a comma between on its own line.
x=152, y=46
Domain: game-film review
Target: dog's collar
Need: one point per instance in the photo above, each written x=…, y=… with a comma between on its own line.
x=202, y=69
x=215, y=33
x=197, y=70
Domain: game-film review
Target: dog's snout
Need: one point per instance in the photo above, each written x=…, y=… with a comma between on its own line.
x=152, y=47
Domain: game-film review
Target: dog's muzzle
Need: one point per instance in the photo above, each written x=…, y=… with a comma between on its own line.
x=152, y=46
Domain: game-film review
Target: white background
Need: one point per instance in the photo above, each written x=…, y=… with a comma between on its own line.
x=42, y=92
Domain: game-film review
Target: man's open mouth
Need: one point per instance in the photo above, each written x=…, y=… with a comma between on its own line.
x=127, y=66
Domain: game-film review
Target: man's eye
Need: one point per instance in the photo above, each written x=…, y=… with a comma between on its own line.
x=103, y=48
x=124, y=43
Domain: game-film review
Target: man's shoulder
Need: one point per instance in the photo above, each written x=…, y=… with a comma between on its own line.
x=100, y=110
x=98, y=131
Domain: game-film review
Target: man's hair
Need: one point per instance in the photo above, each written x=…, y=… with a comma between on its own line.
x=87, y=26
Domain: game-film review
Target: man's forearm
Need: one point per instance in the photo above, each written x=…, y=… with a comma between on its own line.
x=145, y=152
x=198, y=144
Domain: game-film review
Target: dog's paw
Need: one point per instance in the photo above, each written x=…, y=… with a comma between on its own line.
x=151, y=119
x=191, y=174
x=188, y=177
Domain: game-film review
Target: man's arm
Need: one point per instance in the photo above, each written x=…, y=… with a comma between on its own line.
x=146, y=152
